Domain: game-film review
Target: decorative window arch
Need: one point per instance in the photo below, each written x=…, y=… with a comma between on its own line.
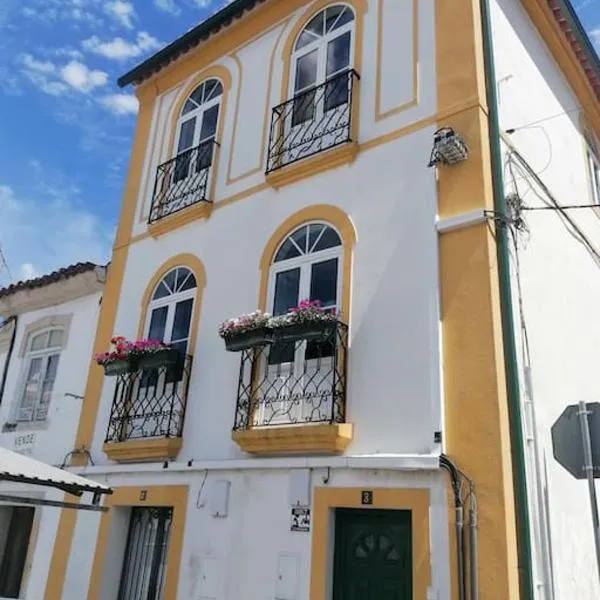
x=323, y=51
x=169, y=286
x=196, y=128
x=42, y=355
x=171, y=308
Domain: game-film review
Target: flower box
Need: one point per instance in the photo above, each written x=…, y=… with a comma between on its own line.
x=118, y=366
x=244, y=340
x=312, y=331
x=164, y=357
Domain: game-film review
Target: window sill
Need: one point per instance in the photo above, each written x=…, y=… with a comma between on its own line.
x=323, y=161
x=200, y=210
x=298, y=439
x=153, y=449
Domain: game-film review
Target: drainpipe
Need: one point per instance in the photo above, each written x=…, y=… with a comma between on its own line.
x=508, y=327
x=12, y=319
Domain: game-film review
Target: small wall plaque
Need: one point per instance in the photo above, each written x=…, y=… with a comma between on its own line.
x=143, y=494
x=300, y=518
x=366, y=497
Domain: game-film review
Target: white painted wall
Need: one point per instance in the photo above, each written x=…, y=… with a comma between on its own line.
x=51, y=440
x=560, y=285
x=243, y=548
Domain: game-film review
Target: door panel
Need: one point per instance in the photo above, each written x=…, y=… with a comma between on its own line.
x=372, y=555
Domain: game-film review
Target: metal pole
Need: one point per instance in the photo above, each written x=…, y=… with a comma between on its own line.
x=589, y=471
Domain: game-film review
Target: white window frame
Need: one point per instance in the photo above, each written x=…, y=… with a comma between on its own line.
x=30, y=356
x=198, y=113
x=171, y=302
x=321, y=46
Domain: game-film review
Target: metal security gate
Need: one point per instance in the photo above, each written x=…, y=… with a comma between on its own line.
x=143, y=573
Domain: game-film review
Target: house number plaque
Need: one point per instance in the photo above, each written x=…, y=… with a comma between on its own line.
x=366, y=497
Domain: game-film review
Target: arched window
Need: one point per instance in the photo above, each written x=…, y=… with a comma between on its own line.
x=171, y=308
x=324, y=52
x=197, y=128
x=41, y=364
x=307, y=266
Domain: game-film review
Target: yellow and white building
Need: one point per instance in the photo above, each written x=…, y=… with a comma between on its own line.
x=281, y=153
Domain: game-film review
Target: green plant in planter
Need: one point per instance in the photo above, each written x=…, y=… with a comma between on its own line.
x=125, y=356
x=307, y=321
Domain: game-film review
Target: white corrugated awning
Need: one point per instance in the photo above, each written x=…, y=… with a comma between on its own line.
x=22, y=469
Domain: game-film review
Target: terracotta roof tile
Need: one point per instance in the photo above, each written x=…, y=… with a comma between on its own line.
x=60, y=274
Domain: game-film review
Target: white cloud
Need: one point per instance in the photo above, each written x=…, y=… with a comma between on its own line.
x=56, y=81
x=120, y=104
x=120, y=49
x=123, y=12
x=79, y=77
x=168, y=6
x=26, y=221
x=595, y=37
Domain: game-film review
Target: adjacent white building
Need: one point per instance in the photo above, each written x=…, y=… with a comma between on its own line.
x=46, y=336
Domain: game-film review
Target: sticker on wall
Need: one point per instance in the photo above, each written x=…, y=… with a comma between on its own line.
x=300, y=518
x=23, y=444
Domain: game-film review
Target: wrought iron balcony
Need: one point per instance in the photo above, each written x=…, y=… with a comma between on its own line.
x=294, y=381
x=182, y=181
x=150, y=403
x=315, y=120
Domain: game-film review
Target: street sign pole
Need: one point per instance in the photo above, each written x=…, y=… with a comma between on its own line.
x=589, y=471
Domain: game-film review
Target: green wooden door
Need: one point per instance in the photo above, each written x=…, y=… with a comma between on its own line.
x=372, y=555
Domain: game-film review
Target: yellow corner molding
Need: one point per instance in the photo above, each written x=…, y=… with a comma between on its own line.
x=324, y=161
x=313, y=439
x=143, y=450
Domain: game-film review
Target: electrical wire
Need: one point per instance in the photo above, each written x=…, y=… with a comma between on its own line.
x=4, y=263
x=549, y=118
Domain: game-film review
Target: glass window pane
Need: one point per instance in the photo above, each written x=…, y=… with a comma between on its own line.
x=314, y=231
x=287, y=286
x=35, y=369
x=189, y=283
x=329, y=239
x=189, y=106
x=316, y=25
x=337, y=16
x=300, y=237
x=338, y=54
x=209, y=123
x=56, y=338
x=323, y=282
x=162, y=291
x=186, y=135
x=306, y=38
x=197, y=94
x=212, y=90
x=181, y=322
x=158, y=321
x=40, y=341
x=51, y=367
x=169, y=280
x=306, y=71
x=304, y=108
x=287, y=251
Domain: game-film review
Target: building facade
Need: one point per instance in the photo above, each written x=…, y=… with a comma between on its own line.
x=46, y=339
x=285, y=151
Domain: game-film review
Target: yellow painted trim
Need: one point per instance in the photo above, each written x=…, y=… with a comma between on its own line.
x=379, y=114
x=175, y=496
x=143, y=450
x=195, y=265
x=62, y=551
x=473, y=376
x=326, y=500
x=317, y=212
x=267, y=113
x=307, y=167
x=200, y=210
x=304, y=439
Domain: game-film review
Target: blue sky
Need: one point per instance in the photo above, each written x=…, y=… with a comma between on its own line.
x=66, y=128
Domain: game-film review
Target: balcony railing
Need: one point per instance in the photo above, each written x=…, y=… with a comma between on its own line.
x=294, y=382
x=182, y=181
x=315, y=120
x=150, y=403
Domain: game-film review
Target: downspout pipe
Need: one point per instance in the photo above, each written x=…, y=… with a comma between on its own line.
x=508, y=326
x=448, y=465
x=11, y=347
